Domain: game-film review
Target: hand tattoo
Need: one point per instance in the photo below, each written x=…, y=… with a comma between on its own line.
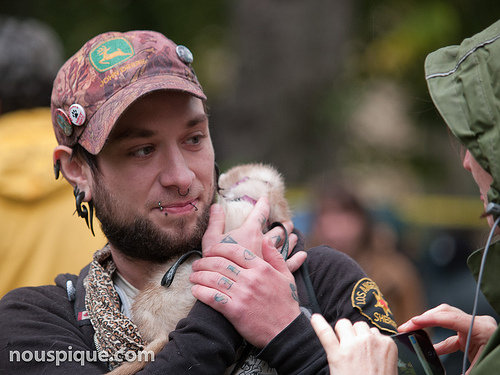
x=220, y=298
x=262, y=220
x=226, y=282
x=248, y=255
x=228, y=239
x=233, y=269
x=294, y=292
x=278, y=240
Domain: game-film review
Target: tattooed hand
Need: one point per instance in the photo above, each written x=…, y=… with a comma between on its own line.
x=257, y=295
x=245, y=278
x=250, y=233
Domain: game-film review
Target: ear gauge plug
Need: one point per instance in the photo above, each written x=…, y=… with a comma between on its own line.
x=57, y=168
x=82, y=211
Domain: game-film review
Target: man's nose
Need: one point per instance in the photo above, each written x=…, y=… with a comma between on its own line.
x=176, y=172
x=466, y=161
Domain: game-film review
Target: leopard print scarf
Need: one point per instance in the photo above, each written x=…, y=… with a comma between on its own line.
x=115, y=334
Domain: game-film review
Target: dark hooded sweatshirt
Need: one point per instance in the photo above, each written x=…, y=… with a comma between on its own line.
x=44, y=332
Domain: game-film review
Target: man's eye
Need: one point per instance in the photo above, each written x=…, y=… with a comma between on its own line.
x=145, y=151
x=195, y=140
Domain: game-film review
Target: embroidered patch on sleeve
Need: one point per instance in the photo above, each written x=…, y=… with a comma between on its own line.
x=368, y=299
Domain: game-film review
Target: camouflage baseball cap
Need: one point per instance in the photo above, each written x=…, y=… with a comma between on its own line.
x=110, y=72
x=464, y=83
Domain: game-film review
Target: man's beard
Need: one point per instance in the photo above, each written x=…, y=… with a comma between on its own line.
x=141, y=239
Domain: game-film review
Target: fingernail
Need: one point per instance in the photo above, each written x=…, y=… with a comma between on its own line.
x=402, y=325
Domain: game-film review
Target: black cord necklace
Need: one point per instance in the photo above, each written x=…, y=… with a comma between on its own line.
x=479, y=278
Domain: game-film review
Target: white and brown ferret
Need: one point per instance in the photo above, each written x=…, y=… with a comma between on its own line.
x=157, y=309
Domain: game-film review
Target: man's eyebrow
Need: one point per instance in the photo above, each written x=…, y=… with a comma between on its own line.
x=132, y=133
x=203, y=118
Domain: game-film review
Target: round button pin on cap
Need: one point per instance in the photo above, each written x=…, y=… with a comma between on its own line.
x=63, y=122
x=184, y=54
x=77, y=114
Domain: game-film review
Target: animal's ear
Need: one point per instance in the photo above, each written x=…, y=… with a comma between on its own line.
x=280, y=210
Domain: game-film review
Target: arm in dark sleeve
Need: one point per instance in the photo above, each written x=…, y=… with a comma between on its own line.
x=343, y=290
x=334, y=276
x=296, y=350
x=203, y=343
x=39, y=334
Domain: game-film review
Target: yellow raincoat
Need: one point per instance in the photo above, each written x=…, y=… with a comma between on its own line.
x=39, y=235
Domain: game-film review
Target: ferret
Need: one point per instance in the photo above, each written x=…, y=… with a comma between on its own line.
x=157, y=309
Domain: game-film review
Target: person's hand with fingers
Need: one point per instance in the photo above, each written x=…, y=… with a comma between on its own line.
x=356, y=348
x=278, y=235
x=257, y=295
x=454, y=319
x=250, y=234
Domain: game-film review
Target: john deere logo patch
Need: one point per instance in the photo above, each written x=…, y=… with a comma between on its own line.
x=370, y=302
x=111, y=53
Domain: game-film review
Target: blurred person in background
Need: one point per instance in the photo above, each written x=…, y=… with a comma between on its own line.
x=34, y=236
x=342, y=221
x=464, y=84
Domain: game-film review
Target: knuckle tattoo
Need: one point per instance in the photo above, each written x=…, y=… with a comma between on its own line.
x=277, y=240
x=228, y=239
x=262, y=220
x=224, y=281
x=233, y=269
x=248, y=255
x=221, y=298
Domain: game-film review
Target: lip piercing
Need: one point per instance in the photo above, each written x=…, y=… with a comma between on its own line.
x=182, y=195
x=161, y=208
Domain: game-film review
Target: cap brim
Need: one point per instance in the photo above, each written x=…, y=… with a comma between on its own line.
x=100, y=125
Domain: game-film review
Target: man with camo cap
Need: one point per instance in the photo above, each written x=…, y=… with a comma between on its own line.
x=134, y=142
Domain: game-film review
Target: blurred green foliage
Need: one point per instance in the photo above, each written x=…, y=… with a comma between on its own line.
x=77, y=21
